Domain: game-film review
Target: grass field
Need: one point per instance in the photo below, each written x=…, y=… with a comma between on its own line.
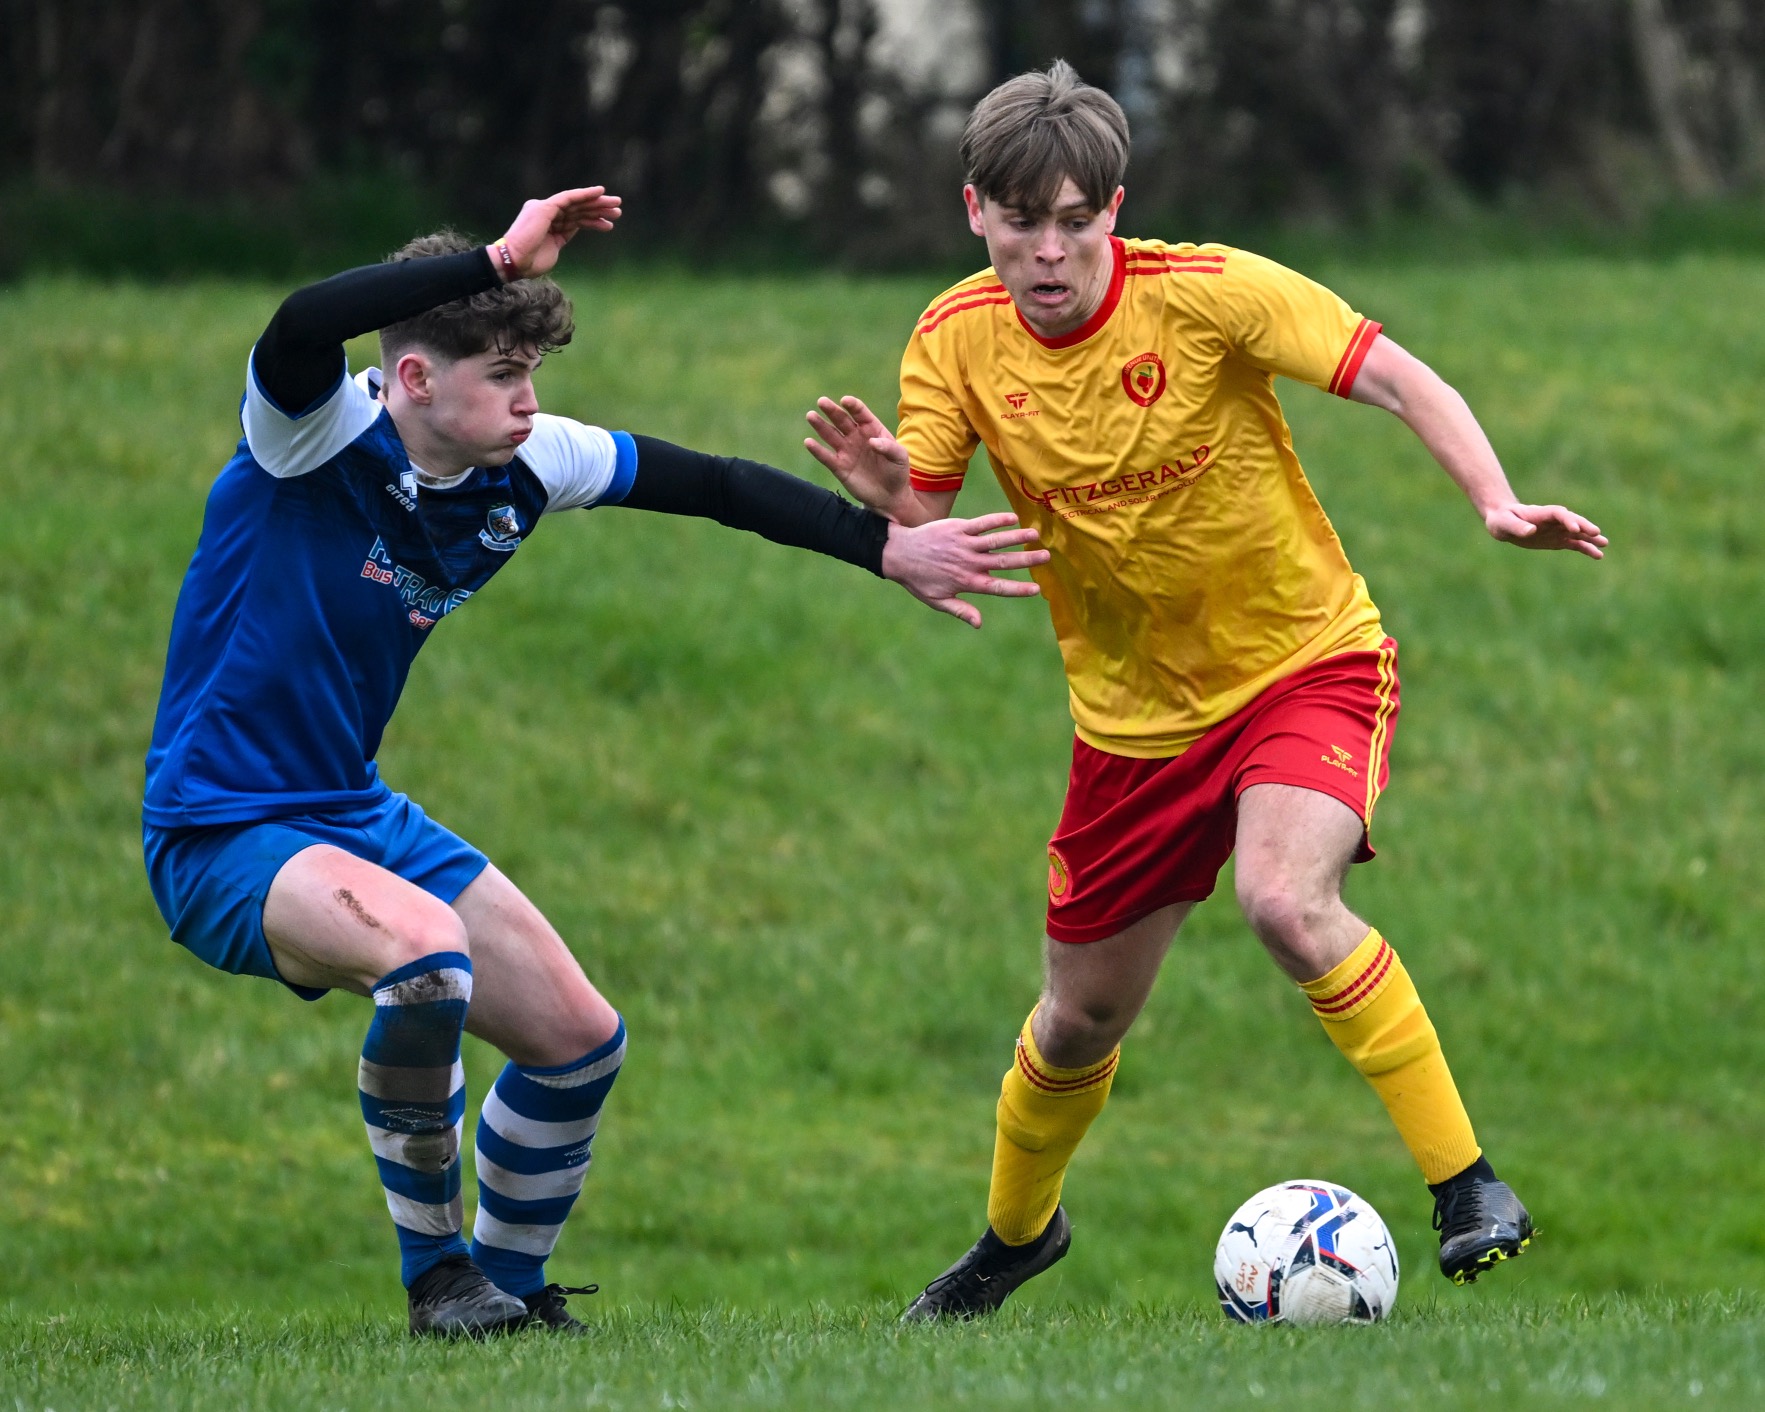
x=793, y=824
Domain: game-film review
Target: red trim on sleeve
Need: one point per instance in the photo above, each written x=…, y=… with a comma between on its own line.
x=1342, y=382
x=1090, y=326
x=1161, y=262
x=1176, y=269
x=950, y=310
x=924, y=480
x=944, y=301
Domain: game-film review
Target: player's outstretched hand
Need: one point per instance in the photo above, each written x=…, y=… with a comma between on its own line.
x=862, y=453
x=1546, y=527
x=935, y=562
x=545, y=227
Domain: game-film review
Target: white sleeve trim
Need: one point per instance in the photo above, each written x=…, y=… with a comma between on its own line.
x=291, y=446
x=574, y=461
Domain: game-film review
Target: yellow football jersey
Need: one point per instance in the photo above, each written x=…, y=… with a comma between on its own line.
x=1192, y=564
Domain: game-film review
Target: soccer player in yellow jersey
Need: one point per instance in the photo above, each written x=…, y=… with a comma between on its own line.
x=1231, y=683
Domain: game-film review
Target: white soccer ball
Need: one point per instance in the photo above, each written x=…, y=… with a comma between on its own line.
x=1306, y=1253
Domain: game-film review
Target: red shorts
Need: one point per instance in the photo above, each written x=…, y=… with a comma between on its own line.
x=1137, y=835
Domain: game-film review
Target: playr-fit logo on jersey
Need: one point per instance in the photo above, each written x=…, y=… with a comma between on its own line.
x=425, y=604
x=1016, y=401
x=1130, y=488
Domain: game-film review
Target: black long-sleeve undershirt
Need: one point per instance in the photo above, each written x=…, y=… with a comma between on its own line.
x=749, y=495
x=300, y=357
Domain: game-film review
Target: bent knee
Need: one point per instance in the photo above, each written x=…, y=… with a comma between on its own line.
x=1070, y=1027
x=1282, y=912
x=589, y=1027
x=568, y=1036
x=420, y=933
x=1276, y=914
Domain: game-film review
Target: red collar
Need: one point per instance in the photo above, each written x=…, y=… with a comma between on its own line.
x=1117, y=278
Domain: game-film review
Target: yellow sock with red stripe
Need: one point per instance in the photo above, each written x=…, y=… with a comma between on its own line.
x=1370, y=1010
x=1043, y=1113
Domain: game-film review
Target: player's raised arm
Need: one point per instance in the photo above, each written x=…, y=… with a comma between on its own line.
x=1412, y=391
x=934, y=562
x=300, y=355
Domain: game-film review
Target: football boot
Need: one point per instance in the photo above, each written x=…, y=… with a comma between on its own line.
x=979, y=1282
x=547, y=1310
x=455, y=1300
x=1481, y=1223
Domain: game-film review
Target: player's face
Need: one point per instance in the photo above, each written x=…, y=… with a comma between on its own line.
x=484, y=405
x=1055, y=264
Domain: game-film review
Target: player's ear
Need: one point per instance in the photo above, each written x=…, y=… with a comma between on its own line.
x=416, y=378
x=1115, y=204
x=976, y=217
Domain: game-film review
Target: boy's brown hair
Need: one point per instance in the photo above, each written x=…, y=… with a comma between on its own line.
x=1033, y=131
x=528, y=313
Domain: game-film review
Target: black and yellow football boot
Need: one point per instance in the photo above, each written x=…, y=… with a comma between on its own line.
x=979, y=1282
x=1481, y=1223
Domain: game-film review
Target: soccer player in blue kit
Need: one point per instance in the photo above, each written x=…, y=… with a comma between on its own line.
x=356, y=514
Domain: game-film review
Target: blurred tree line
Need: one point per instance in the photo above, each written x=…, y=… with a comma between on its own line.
x=829, y=125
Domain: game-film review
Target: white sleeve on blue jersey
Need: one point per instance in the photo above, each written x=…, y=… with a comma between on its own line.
x=578, y=464
x=286, y=445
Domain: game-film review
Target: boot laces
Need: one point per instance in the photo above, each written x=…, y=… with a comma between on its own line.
x=972, y=1280
x=1460, y=1207
x=556, y=1294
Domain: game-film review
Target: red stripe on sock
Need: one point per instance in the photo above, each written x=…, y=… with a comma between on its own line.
x=1047, y=1083
x=1361, y=986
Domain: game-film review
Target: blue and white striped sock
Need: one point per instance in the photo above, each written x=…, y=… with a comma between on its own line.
x=534, y=1136
x=413, y=1090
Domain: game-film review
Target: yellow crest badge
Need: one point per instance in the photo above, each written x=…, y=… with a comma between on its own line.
x=1059, y=876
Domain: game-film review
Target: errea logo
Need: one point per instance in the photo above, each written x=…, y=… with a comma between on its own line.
x=405, y=491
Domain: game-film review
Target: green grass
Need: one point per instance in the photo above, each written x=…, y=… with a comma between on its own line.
x=1616, y=1353
x=793, y=824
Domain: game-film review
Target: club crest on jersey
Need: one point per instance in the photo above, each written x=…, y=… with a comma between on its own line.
x=1059, y=876
x=1143, y=379
x=502, y=530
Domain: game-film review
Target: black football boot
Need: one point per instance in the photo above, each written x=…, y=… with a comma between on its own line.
x=547, y=1310
x=979, y=1282
x=455, y=1300
x=1481, y=1223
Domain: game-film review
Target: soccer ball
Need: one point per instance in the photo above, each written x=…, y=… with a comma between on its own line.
x=1306, y=1253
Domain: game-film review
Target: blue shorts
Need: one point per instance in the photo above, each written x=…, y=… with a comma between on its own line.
x=210, y=883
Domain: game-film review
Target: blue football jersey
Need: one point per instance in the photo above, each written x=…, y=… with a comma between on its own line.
x=322, y=568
